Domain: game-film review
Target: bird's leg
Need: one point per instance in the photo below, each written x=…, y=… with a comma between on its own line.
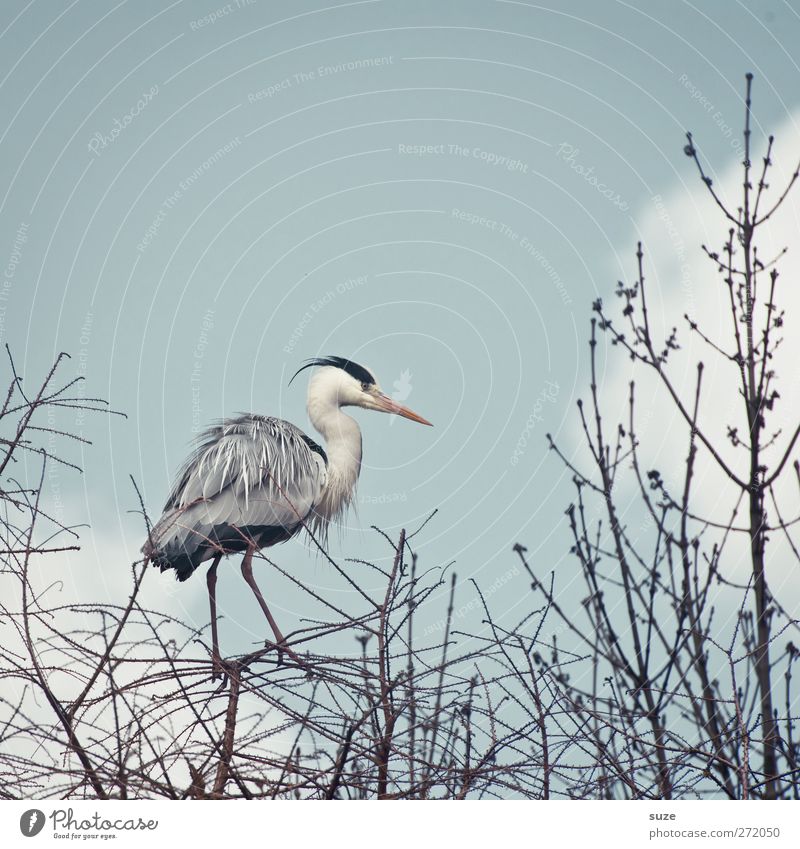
x=211, y=582
x=247, y=573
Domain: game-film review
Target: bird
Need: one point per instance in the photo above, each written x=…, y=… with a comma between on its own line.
x=253, y=481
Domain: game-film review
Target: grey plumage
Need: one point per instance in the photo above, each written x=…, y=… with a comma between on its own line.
x=251, y=481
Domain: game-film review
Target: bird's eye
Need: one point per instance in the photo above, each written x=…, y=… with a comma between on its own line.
x=365, y=387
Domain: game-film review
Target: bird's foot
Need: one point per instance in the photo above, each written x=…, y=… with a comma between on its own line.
x=220, y=668
x=282, y=648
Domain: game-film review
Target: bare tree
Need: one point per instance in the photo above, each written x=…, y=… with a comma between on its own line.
x=672, y=708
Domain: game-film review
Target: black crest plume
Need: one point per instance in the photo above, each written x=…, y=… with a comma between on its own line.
x=356, y=371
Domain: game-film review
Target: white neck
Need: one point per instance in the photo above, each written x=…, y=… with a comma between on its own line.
x=343, y=446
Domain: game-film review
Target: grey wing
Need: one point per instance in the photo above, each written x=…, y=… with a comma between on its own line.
x=251, y=481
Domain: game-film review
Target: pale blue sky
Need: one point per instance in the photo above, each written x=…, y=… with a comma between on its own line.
x=436, y=189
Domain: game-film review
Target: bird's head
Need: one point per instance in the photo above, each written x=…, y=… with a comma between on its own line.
x=347, y=384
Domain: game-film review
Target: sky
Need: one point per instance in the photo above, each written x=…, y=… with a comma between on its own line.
x=195, y=197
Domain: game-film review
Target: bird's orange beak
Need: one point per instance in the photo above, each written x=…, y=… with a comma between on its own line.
x=387, y=405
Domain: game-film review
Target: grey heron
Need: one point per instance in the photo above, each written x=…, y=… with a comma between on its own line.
x=254, y=481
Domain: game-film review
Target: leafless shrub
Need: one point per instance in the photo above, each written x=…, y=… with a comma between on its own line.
x=117, y=700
